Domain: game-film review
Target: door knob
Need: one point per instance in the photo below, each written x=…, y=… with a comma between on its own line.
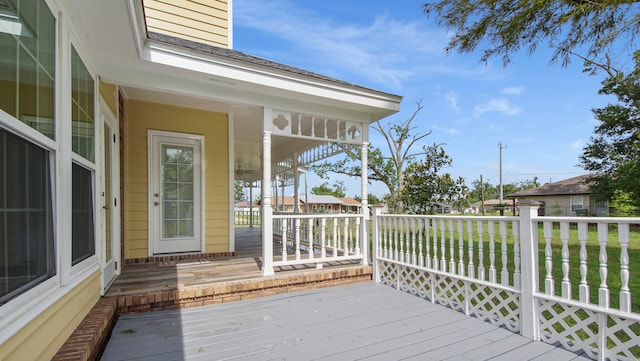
x=156, y=203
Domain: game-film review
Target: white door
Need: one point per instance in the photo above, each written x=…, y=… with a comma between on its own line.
x=175, y=192
x=109, y=190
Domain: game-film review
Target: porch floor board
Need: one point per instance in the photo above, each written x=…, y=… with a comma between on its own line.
x=358, y=321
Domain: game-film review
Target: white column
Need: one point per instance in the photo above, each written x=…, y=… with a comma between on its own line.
x=529, y=276
x=267, y=212
x=250, y=204
x=296, y=185
x=364, y=227
x=377, y=211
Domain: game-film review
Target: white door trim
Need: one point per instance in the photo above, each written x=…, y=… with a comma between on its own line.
x=152, y=161
x=112, y=267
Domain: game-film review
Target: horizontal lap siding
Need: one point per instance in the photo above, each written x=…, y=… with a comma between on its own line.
x=42, y=337
x=141, y=116
x=200, y=21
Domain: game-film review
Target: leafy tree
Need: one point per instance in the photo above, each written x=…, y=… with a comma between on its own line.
x=528, y=184
x=238, y=191
x=426, y=185
x=386, y=169
x=324, y=189
x=613, y=154
x=475, y=194
x=492, y=192
x=623, y=204
x=504, y=27
x=371, y=198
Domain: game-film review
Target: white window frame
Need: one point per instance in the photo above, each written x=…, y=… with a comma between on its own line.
x=20, y=311
x=91, y=264
x=577, y=202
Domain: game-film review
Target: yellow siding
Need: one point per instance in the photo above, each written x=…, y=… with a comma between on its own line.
x=42, y=337
x=141, y=116
x=196, y=20
x=108, y=92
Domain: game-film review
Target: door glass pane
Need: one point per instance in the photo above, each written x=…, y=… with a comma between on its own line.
x=177, y=186
x=107, y=191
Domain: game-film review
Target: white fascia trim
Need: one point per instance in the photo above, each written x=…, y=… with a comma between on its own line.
x=138, y=27
x=236, y=72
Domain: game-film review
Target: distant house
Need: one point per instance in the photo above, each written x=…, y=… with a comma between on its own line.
x=316, y=203
x=491, y=205
x=569, y=197
x=349, y=205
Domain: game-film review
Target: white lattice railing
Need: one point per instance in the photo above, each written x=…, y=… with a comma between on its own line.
x=558, y=290
x=316, y=238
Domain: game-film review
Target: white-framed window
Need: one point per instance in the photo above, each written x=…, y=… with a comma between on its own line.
x=27, y=152
x=27, y=255
x=83, y=166
x=577, y=202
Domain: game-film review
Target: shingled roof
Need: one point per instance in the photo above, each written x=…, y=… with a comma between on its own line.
x=575, y=185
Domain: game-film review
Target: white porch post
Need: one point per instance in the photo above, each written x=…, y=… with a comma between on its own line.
x=296, y=185
x=364, y=209
x=250, y=204
x=267, y=212
x=375, y=232
x=529, y=326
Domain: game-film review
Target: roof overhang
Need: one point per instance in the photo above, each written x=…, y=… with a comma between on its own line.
x=113, y=39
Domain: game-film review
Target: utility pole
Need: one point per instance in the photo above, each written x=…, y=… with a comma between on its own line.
x=501, y=146
x=482, y=194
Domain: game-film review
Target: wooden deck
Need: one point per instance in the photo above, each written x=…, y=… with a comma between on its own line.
x=359, y=321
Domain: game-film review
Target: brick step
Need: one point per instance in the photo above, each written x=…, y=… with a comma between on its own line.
x=88, y=340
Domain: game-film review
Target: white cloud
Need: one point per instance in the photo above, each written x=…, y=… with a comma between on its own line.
x=386, y=51
x=450, y=131
x=577, y=145
x=452, y=99
x=497, y=105
x=513, y=90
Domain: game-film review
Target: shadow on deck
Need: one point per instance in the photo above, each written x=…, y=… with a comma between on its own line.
x=170, y=285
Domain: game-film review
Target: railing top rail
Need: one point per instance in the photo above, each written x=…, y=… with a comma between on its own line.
x=623, y=220
x=316, y=215
x=454, y=217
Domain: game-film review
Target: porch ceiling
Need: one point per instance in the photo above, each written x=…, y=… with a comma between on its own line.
x=148, y=70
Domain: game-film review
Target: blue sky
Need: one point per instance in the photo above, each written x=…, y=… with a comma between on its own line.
x=540, y=111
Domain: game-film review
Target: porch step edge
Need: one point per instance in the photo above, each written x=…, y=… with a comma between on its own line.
x=229, y=291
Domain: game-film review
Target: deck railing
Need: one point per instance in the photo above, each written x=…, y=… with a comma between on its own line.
x=574, y=287
x=247, y=217
x=316, y=238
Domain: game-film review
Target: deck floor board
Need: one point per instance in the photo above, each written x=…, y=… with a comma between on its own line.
x=359, y=321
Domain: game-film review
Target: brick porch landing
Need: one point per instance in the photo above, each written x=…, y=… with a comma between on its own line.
x=163, y=286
